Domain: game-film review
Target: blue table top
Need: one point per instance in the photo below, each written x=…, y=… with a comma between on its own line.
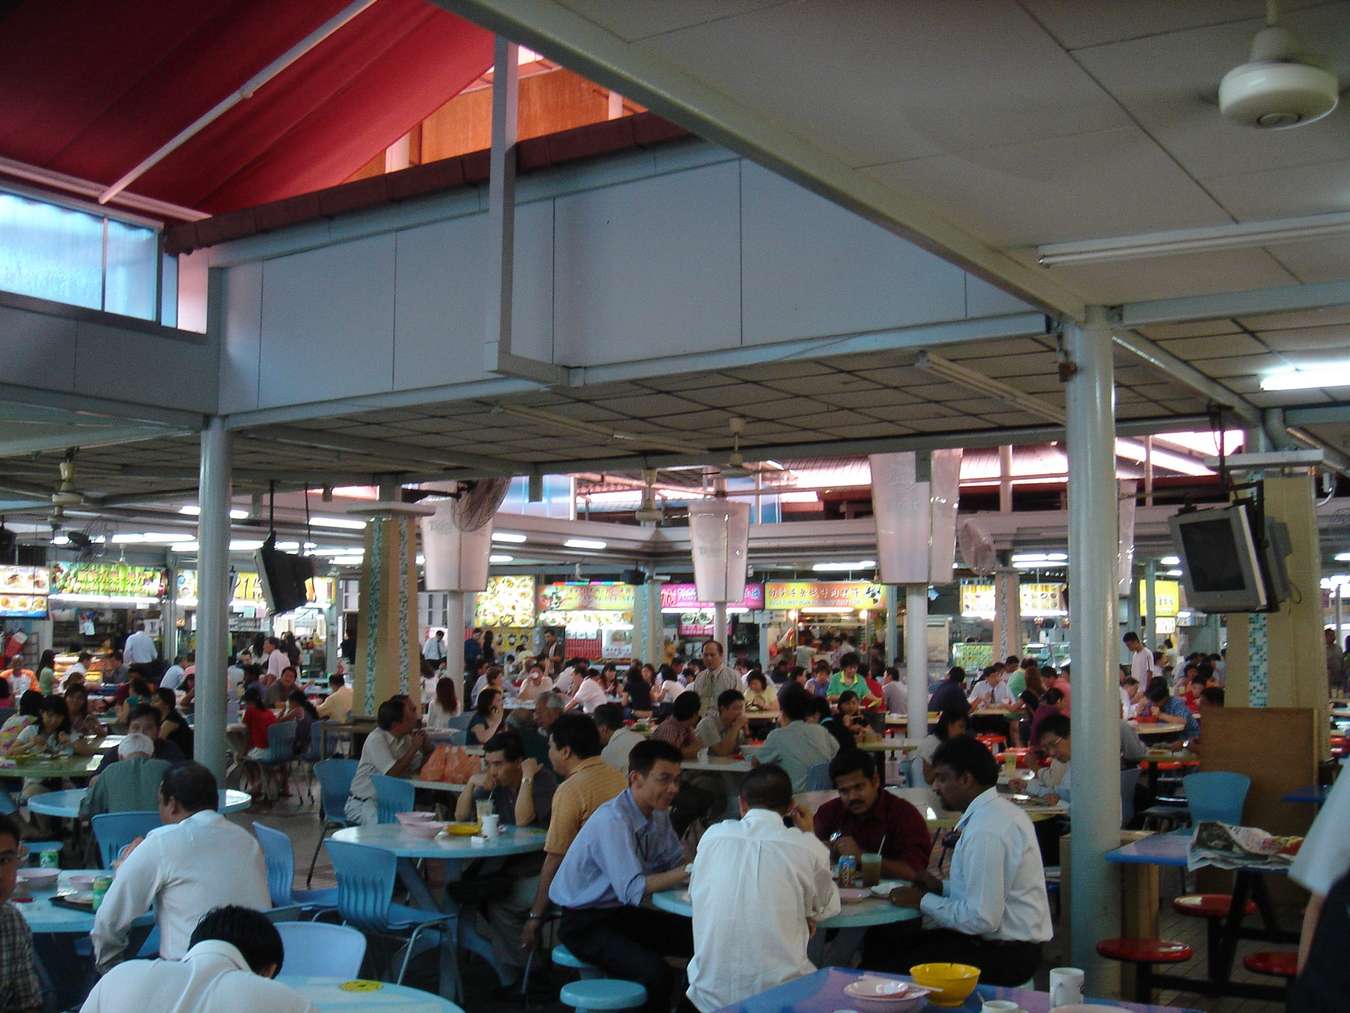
x=328, y=994
x=1171, y=849
x=67, y=803
x=863, y=914
x=1309, y=793
x=44, y=916
x=823, y=992
x=392, y=837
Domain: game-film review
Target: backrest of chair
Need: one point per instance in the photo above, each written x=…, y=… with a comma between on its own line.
x=321, y=950
x=365, y=878
x=280, y=741
x=818, y=778
x=392, y=795
x=114, y=831
x=280, y=858
x=1216, y=795
x=335, y=784
x=460, y=722
x=1129, y=781
x=322, y=741
x=7, y=806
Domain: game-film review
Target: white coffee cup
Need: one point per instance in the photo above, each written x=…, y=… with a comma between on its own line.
x=1000, y=1006
x=491, y=824
x=1066, y=986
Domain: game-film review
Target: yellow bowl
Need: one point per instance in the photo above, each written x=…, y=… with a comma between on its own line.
x=462, y=829
x=954, y=982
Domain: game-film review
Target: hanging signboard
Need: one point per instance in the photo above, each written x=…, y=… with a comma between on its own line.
x=1166, y=598
x=808, y=594
x=685, y=598
x=248, y=590
x=1035, y=600
x=586, y=597
x=112, y=580
x=23, y=592
x=508, y=601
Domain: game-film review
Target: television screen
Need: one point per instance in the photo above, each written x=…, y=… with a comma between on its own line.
x=1222, y=565
x=282, y=576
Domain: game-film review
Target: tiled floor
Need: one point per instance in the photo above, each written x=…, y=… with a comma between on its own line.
x=300, y=822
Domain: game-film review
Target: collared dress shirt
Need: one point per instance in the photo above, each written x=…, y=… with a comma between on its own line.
x=1325, y=855
x=891, y=824
x=212, y=977
x=1141, y=667
x=712, y=683
x=433, y=649
x=276, y=661
x=618, y=747
x=986, y=694
x=578, y=798
x=754, y=884
x=172, y=678
x=897, y=696
x=381, y=751
x=996, y=889
x=140, y=649
x=611, y=858
x=184, y=870
x=797, y=748
x=19, y=986
x=590, y=695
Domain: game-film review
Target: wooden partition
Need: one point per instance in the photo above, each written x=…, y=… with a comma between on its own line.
x=1277, y=747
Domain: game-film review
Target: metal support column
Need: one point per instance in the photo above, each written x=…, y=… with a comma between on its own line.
x=1151, y=604
x=720, y=628
x=454, y=645
x=892, y=606
x=213, y=606
x=169, y=616
x=1094, y=899
x=1337, y=610
x=916, y=658
x=1005, y=457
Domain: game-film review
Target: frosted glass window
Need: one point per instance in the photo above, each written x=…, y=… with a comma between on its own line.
x=50, y=252
x=133, y=258
x=168, y=293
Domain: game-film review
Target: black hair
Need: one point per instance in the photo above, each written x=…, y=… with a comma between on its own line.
x=56, y=704
x=1131, y=637
x=1052, y=697
x=956, y=674
x=166, y=697
x=850, y=660
x=1130, y=680
x=821, y=707
x=767, y=787
x=686, y=706
x=1212, y=695
x=847, y=696
x=144, y=711
x=192, y=786
x=578, y=733
x=507, y=743
x=645, y=755
x=609, y=715
x=728, y=697
x=966, y=754
x=30, y=704
x=1200, y=678
x=335, y=680
x=1055, y=724
x=945, y=721
x=391, y=711
x=253, y=695
x=1157, y=691
x=486, y=697
x=10, y=828
x=846, y=761
x=763, y=682
x=795, y=702
x=248, y=931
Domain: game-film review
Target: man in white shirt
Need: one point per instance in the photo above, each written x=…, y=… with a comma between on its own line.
x=140, y=647
x=394, y=748
x=195, y=862
x=991, y=691
x=434, y=647
x=234, y=954
x=173, y=675
x=758, y=888
x=895, y=691
x=1141, y=661
x=570, y=678
x=535, y=683
x=715, y=679
x=337, y=705
x=992, y=912
x=617, y=738
x=589, y=695
x=81, y=665
x=1323, y=867
x=277, y=659
x=1052, y=740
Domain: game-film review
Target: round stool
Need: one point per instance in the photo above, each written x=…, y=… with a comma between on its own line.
x=1208, y=905
x=564, y=957
x=603, y=994
x=1276, y=963
x=1143, y=954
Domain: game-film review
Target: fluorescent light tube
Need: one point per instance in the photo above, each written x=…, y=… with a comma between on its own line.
x=508, y=536
x=1330, y=374
x=584, y=543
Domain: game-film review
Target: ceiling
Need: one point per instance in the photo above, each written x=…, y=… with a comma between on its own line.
x=984, y=129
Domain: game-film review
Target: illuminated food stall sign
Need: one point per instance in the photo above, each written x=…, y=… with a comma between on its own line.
x=1166, y=598
x=23, y=592
x=108, y=580
x=685, y=598
x=586, y=598
x=507, y=601
x=809, y=594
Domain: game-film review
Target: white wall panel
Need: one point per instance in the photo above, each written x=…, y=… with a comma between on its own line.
x=241, y=340
x=37, y=349
x=812, y=268
x=131, y=366
x=328, y=323
x=648, y=268
x=441, y=280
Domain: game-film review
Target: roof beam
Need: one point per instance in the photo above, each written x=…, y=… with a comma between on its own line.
x=579, y=44
x=398, y=453
x=102, y=407
x=97, y=436
x=1282, y=298
x=1183, y=372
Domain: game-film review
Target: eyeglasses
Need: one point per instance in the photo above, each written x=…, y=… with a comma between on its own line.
x=8, y=858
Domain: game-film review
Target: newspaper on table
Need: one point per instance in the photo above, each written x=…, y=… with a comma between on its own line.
x=1224, y=846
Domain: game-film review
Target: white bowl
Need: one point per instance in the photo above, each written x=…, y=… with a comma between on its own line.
x=83, y=881
x=38, y=878
x=413, y=818
x=888, y=994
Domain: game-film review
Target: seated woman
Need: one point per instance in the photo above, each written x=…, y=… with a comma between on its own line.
x=140, y=694
x=758, y=697
x=487, y=717
x=172, y=725
x=77, y=706
x=638, y=688
x=443, y=704
x=950, y=724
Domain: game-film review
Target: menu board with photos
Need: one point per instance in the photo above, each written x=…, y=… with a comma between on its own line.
x=23, y=592
x=113, y=580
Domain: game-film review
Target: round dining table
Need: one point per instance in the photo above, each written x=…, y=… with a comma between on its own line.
x=382, y=996
x=67, y=803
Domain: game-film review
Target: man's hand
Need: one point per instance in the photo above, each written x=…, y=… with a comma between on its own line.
x=125, y=853
x=906, y=896
x=810, y=927
x=1018, y=784
x=929, y=882
x=529, y=767
x=799, y=818
x=1052, y=799
x=529, y=934
x=479, y=780
x=847, y=846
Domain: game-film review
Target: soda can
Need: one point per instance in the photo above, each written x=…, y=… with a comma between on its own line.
x=50, y=859
x=101, y=887
x=848, y=870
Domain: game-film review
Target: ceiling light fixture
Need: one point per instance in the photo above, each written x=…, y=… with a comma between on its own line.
x=508, y=536
x=347, y=560
x=500, y=558
x=861, y=564
x=584, y=543
x=338, y=522
x=1170, y=561
x=195, y=511
x=1327, y=374
x=956, y=373
x=1198, y=240
x=1341, y=557
x=1171, y=573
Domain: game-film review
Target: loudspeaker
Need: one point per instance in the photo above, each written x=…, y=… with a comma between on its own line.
x=633, y=577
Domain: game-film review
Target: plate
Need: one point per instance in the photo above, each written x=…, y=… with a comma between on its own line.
x=873, y=987
x=462, y=829
x=884, y=887
x=853, y=894
x=1090, y=1007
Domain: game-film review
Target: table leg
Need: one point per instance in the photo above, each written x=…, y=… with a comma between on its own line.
x=1138, y=912
x=1221, y=964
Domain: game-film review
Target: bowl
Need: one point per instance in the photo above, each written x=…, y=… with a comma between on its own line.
x=463, y=829
x=82, y=881
x=39, y=879
x=880, y=994
x=414, y=818
x=952, y=983
x=422, y=829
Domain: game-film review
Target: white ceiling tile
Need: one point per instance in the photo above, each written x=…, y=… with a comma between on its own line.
x=1316, y=260
x=1286, y=192
x=645, y=404
x=1301, y=318
x=1239, y=365
x=1190, y=329
x=733, y=394
x=1213, y=347
x=1283, y=398
x=911, y=85
x=640, y=19
x=1090, y=185
x=1080, y=23
x=1331, y=337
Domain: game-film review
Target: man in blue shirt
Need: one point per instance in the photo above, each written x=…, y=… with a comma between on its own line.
x=624, y=853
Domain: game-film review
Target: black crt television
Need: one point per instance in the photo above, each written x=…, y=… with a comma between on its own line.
x=282, y=576
x=1230, y=564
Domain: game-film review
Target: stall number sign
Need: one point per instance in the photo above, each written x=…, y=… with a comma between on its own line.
x=1166, y=596
x=800, y=594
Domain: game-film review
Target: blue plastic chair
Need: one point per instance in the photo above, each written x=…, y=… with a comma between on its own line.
x=365, y=878
x=602, y=994
x=321, y=950
x=280, y=748
x=280, y=858
x=1129, y=781
x=114, y=831
x=817, y=779
x=7, y=806
x=335, y=784
x=1216, y=795
x=392, y=795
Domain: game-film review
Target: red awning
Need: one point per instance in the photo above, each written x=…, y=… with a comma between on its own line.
x=90, y=88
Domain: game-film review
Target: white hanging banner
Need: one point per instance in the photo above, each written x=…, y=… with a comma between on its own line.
x=901, y=512
x=719, y=535
x=944, y=492
x=456, y=560
x=1125, y=534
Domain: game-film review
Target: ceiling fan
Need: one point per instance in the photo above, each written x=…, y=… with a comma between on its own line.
x=735, y=466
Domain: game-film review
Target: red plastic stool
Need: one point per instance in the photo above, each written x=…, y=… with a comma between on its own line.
x=1276, y=963
x=993, y=743
x=1214, y=908
x=1143, y=954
